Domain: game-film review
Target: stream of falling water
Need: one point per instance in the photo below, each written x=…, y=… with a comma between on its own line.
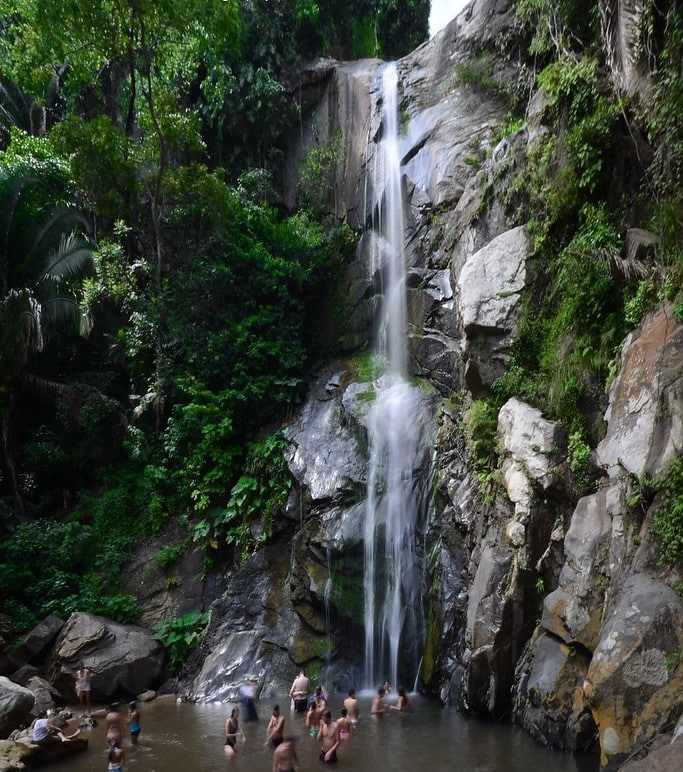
x=398, y=432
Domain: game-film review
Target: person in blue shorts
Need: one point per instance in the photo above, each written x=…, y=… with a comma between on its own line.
x=134, y=722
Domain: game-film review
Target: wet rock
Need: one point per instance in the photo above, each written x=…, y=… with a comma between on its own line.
x=490, y=620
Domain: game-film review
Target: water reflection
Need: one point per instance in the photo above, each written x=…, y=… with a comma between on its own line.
x=180, y=737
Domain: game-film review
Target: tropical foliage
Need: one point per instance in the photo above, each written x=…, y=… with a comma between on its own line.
x=138, y=147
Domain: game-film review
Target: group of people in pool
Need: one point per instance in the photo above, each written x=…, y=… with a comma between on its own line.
x=328, y=732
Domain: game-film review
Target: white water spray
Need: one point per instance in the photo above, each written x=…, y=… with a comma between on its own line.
x=397, y=429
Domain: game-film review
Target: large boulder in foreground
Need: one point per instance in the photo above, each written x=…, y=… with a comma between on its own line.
x=124, y=659
x=13, y=755
x=634, y=682
x=15, y=706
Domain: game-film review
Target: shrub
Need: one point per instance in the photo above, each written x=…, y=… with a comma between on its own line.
x=181, y=635
x=667, y=523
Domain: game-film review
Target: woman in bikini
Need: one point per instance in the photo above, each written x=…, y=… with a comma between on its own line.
x=344, y=725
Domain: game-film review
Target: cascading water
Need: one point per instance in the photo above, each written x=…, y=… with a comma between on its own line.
x=398, y=428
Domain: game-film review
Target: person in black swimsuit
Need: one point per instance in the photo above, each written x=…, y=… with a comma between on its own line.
x=232, y=732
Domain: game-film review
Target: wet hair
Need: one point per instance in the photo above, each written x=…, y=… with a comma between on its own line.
x=401, y=691
x=344, y=711
x=132, y=705
x=234, y=712
x=318, y=690
x=327, y=714
x=381, y=691
x=352, y=692
x=276, y=707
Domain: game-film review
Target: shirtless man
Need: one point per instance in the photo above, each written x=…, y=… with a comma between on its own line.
x=113, y=723
x=378, y=705
x=275, y=728
x=301, y=686
x=351, y=705
x=284, y=757
x=328, y=737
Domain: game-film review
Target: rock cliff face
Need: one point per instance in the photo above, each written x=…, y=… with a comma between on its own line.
x=542, y=607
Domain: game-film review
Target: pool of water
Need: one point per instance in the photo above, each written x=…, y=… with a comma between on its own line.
x=181, y=737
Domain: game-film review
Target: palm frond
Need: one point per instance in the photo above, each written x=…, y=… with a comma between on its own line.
x=73, y=257
x=62, y=219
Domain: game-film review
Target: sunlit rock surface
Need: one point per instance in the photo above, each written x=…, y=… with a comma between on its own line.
x=645, y=416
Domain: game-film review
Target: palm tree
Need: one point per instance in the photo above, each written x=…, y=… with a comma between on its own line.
x=43, y=258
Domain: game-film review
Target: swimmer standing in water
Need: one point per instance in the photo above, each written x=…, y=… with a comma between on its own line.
x=351, y=705
x=344, y=725
x=284, y=756
x=232, y=732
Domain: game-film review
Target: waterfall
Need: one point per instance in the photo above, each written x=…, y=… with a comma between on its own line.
x=398, y=428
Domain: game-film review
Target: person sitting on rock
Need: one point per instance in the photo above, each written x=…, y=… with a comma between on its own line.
x=45, y=732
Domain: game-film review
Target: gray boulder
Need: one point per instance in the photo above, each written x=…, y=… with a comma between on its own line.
x=490, y=286
x=632, y=685
x=45, y=695
x=549, y=699
x=15, y=706
x=123, y=658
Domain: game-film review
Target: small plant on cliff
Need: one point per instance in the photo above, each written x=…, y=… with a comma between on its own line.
x=181, y=635
x=668, y=520
x=168, y=555
x=481, y=422
x=579, y=455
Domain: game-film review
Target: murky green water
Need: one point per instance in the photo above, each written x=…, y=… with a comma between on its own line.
x=180, y=737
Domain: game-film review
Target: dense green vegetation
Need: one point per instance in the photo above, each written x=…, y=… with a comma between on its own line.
x=157, y=305
x=580, y=188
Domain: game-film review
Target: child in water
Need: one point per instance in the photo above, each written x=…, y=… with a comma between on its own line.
x=313, y=720
x=134, y=722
